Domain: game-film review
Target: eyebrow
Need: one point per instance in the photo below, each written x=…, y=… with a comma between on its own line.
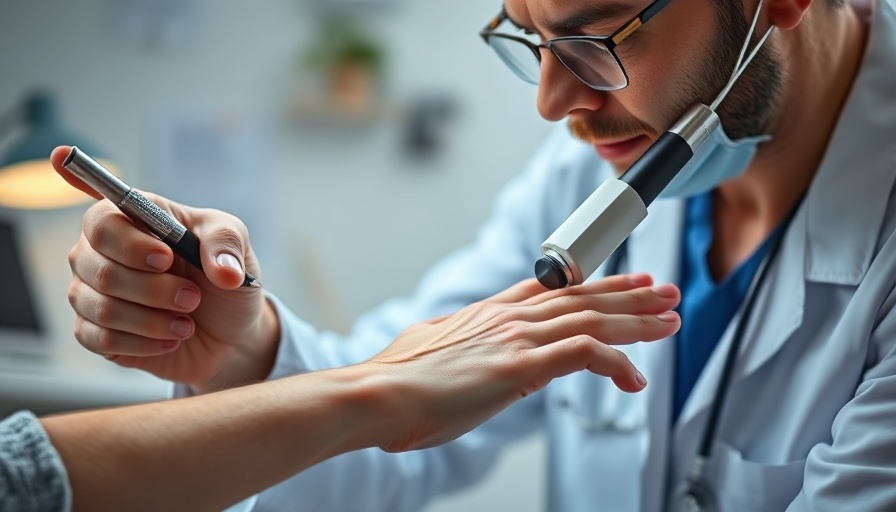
x=589, y=15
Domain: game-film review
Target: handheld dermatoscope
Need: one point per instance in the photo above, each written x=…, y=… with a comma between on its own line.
x=609, y=215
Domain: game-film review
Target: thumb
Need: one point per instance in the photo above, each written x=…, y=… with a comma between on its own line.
x=223, y=256
x=231, y=270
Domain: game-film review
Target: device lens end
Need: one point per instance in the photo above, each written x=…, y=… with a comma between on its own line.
x=550, y=273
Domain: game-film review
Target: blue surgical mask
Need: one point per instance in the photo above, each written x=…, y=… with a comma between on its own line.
x=718, y=160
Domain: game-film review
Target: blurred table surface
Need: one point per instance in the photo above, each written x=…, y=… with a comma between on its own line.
x=50, y=383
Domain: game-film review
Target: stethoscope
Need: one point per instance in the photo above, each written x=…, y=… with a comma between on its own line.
x=695, y=494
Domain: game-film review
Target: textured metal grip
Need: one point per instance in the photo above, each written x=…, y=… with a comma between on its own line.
x=160, y=222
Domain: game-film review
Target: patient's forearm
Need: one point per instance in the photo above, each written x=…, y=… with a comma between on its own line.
x=205, y=453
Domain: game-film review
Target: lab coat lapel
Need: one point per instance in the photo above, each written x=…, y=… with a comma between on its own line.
x=777, y=313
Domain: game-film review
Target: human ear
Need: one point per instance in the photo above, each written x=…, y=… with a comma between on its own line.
x=787, y=14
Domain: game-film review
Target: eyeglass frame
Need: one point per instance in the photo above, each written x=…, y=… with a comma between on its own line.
x=609, y=42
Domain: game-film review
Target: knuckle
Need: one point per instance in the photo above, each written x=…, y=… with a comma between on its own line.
x=161, y=293
x=78, y=331
x=487, y=309
x=104, y=341
x=641, y=297
x=232, y=227
x=505, y=315
x=515, y=329
x=620, y=360
x=98, y=233
x=646, y=324
x=106, y=277
x=566, y=301
x=597, y=323
x=73, y=294
x=72, y=257
x=104, y=312
x=592, y=317
x=585, y=344
x=229, y=237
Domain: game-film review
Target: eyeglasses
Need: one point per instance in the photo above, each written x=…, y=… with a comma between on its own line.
x=592, y=59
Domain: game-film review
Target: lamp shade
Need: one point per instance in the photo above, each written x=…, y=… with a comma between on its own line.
x=27, y=179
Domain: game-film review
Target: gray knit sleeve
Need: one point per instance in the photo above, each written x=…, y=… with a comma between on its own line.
x=32, y=477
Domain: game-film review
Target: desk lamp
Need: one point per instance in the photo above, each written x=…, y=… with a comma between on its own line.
x=27, y=180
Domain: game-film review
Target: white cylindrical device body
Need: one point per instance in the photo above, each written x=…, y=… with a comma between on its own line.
x=596, y=228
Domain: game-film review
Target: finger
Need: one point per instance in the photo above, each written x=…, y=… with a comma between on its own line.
x=112, y=344
x=611, y=284
x=585, y=353
x=107, y=277
x=518, y=292
x=57, y=157
x=532, y=291
x=639, y=301
x=119, y=315
x=111, y=233
x=609, y=329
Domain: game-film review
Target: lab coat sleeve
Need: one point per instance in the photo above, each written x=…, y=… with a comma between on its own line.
x=857, y=469
x=504, y=252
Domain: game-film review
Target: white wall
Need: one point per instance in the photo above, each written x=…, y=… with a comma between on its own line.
x=345, y=201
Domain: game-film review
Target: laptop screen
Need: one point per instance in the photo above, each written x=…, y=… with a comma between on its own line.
x=19, y=320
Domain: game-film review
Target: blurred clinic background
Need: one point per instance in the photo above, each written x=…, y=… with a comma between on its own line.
x=360, y=140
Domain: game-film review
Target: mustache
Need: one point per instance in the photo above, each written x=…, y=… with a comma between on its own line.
x=591, y=129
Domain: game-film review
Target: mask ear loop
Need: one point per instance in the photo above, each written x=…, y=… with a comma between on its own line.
x=742, y=64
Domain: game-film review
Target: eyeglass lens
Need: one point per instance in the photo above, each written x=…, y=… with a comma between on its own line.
x=518, y=57
x=590, y=61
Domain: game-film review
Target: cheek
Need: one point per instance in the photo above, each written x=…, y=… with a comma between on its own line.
x=663, y=83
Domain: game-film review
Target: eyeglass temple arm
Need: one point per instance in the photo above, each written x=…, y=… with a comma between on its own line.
x=643, y=17
x=493, y=24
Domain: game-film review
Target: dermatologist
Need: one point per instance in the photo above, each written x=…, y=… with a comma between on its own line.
x=786, y=259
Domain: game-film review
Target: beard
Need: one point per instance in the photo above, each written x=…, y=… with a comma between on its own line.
x=746, y=111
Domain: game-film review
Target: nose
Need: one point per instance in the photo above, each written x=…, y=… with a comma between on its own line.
x=560, y=92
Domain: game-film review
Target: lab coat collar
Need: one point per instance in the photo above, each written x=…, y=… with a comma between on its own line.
x=866, y=126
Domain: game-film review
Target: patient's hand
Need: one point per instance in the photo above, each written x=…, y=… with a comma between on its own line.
x=464, y=368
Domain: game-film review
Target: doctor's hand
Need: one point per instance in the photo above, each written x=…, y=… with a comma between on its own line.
x=139, y=306
x=447, y=376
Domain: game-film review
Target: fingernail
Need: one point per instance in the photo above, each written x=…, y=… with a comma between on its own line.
x=228, y=260
x=666, y=291
x=170, y=343
x=639, y=279
x=181, y=326
x=640, y=378
x=158, y=261
x=668, y=316
x=186, y=298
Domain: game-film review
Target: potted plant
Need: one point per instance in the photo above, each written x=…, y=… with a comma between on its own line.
x=350, y=62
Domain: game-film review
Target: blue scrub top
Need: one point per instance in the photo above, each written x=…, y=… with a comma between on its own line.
x=707, y=307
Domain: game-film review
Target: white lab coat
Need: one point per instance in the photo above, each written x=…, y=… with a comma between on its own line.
x=811, y=417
